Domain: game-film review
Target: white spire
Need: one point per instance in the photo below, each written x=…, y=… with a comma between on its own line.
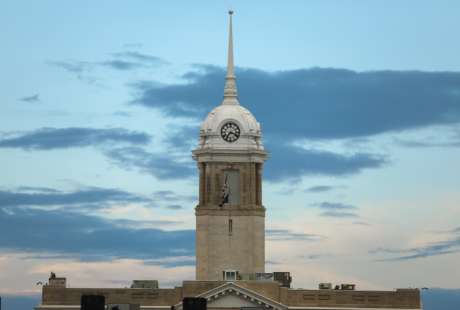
x=230, y=92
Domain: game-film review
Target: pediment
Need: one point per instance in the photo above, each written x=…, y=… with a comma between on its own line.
x=231, y=295
x=232, y=301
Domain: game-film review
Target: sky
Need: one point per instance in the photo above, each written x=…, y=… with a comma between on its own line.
x=101, y=103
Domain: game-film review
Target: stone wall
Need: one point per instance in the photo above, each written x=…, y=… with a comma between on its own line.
x=72, y=296
x=232, y=236
x=401, y=298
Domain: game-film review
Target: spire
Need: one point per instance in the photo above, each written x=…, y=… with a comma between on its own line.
x=230, y=92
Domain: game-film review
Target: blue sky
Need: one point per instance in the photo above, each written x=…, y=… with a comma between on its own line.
x=359, y=103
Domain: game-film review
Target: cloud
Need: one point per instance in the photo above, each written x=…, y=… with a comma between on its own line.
x=451, y=245
x=333, y=206
x=141, y=59
x=37, y=189
x=292, y=162
x=77, y=67
x=317, y=103
x=287, y=161
x=161, y=165
x=171, y=196
x=58, y=138
x=319, y=189
x=88, y=237
x=50, y=197
x=123, y=61
x=285, y=235
x=430, y=142
x=137, y=224
x=339, y=214
x=336, y=209
x=33, y=98
x=361, y=223
x=174, y=207
x=172, y=262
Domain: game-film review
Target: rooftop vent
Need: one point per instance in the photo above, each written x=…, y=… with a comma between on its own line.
x=325, y=286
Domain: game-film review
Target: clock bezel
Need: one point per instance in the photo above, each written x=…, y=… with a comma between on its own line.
x=230, y=121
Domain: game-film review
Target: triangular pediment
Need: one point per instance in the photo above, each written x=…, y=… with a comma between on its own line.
x=231, y=295
x=231, y=301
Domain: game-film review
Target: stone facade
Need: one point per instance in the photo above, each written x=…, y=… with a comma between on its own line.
x=230, y=218
x=231, y=236
x=235, y=295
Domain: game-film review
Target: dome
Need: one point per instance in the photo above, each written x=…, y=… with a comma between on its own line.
x=249, y=129
x=229, y=126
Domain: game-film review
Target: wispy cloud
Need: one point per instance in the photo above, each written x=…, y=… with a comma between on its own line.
x=172, y=262
x=336, y=209
x=161, y=165
x=451, y=245
x=286, y=234
x=57, y=138
x=319, y=189
x=30, y=99
x=123, y=61
x=174, y=207
x=30, y=196
x=171, y=196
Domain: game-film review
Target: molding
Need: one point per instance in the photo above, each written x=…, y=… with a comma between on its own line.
x=226, y=155
x=215, y=210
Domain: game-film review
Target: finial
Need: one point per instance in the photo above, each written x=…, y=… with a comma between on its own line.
x=230, y=91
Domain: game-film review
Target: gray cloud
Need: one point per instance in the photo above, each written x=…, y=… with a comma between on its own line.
x=136, y=224
x=33, y=98
x=123, y=61
x=172, y=263
x=318, y=103
x=37, y=189
x=433, y=142
x=336, y=209
x=285, y=234
x=171, y=196
x=174, y=207
x=160, y=165
x=56, y=138
x=87, y=237
x=332, y=206
x=319, y=189
x=291, y=162
x=339, y=214
x=362, y=223
x=88, y=196
x=451, y=245
x=140, y=58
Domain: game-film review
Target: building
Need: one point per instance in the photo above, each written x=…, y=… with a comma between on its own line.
x=230, y=234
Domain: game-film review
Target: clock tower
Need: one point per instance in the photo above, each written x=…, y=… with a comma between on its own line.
x=230, y=217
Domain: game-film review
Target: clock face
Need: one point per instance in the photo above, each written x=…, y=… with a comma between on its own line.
x=230, y=132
